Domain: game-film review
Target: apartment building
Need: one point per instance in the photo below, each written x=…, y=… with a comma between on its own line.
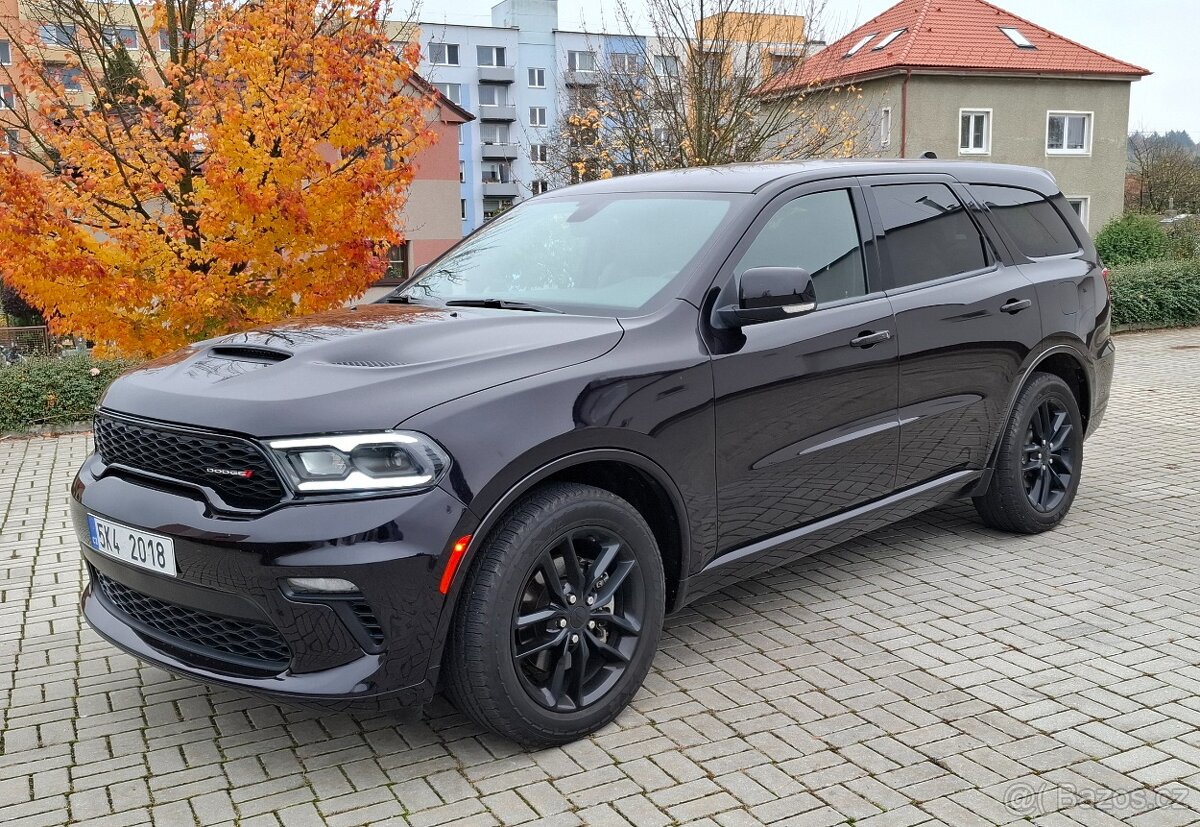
x=967, y=79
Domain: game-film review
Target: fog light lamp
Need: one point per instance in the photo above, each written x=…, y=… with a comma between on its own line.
x=311, y=585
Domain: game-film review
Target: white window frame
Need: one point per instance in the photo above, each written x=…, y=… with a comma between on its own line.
x=8, y=97
x=1085, y=212
x=630, y=62
x=539, y=153
x=67, y=30
x=500, y=130
x=10, y=140
x=666, y=65
x=456, y=87
x=536, y=73
x=462, y=172
x=7, y=61
x=986, y=149
x=447, y=47
x=541, y=119
x=539, y=186
x=885, y=127
x=499, y=93
x=111, y=35
x=573, y=58
x=1090, y=120
x=500, y=51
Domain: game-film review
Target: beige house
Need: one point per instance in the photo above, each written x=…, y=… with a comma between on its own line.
x=966, y=79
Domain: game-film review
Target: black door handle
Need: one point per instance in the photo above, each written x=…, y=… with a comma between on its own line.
x=868, y=338
x=1015, y=305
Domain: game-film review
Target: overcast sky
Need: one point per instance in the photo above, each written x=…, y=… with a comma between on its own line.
x=1160, y=35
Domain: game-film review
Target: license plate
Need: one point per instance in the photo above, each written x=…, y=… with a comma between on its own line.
x=129, y=545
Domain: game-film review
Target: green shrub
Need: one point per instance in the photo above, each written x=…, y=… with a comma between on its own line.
x=1130, y=239
x=1183, y=238
x=1156, y=293
x=44, y=390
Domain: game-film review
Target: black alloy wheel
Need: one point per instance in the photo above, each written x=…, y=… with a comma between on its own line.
x=577, y=621
x=559, y=616
x=1048, y=459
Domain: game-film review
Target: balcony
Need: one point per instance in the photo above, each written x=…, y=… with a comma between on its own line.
x=497, y=113
x=500, y=189
x=582, y=78
x=501, y=152
x=497, y=74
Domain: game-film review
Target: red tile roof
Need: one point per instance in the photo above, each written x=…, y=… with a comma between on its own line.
x=954, y=35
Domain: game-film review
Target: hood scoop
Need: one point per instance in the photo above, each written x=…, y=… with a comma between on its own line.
x=249, y=353
x=366, y=363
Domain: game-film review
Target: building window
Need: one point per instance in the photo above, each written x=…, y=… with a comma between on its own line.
x=625, y=63
x=443, y=54
x=885, y=127
x=857, y=47
x=1019, y=40
x=781, y=64
x=539, y=186
x=581, y=61
x=492, y=207
x=451, y=91
x=491, y=94
x=537, y=116
x=462, y=208
x=57, y=34
x=493, y=133
x=496, y=172
x=974, y=131
x=397, y=266
x=7, y=99
x=69, y=76
x=164, y=41
x=887, y=41
x=5, y=53
x=1068, y=133
x=537, y=78
x=667, y=65
x=539, y=153
x=490, y=55
x=1080, y=203
x=12, y=141
x=462, y=172
x=581, y=97
x=125, y=35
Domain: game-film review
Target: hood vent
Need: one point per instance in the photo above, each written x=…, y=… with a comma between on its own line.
x=366, y=363
x=246, y=353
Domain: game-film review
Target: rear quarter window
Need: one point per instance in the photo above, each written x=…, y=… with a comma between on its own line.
x=1030, y=221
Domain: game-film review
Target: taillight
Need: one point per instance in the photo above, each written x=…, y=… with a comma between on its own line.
x=1107, y=286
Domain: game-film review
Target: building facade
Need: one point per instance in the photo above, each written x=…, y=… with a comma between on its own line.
x=966, y=79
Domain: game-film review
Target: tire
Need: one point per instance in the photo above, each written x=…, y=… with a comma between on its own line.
x=1032, y=489
x=521, y=630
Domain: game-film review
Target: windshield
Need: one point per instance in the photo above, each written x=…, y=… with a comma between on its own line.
x=610, y=253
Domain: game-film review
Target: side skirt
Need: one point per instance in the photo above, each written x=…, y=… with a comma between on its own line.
x=751, y=560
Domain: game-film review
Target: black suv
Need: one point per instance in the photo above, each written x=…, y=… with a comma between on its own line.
x=606, y=403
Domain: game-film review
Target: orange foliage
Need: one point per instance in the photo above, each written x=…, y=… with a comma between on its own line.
x=256, y=174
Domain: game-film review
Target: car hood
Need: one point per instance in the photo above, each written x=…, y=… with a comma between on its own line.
x=366, y=368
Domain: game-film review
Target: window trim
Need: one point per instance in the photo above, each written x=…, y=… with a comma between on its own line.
x=1086, y=152
x=447, y=45
x=529, y=76
x=1085, y=215
x=543, y=119
x=572, y=52
x=987, y=130
x=494, y=49
x=496, y=90
x=8, y=45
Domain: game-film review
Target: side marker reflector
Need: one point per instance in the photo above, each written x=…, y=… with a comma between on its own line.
x=456, y=556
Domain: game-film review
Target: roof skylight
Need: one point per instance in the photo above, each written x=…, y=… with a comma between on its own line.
x=858, y=46
x=1016, y=37
x=883, y=44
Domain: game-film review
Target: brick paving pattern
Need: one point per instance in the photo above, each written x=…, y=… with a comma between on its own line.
x=933, y=672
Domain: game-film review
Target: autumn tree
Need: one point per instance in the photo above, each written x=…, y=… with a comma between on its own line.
x=693, y=92
x=253, y=166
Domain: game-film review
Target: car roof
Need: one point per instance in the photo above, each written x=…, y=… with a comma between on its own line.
x=752, y=177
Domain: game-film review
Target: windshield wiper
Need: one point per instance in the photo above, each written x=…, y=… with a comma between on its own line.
x=501, y=304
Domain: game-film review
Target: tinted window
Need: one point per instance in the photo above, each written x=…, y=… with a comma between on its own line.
x=816, y=232
x=1029, y=219
x=928, y=232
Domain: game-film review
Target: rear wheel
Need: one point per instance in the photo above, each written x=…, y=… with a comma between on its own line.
x=1039, y=460
x=560, y=617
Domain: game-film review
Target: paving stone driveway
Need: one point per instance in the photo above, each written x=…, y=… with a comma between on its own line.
x=931, y=673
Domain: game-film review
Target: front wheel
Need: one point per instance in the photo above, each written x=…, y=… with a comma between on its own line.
x=1038, y=462
x=560, y=617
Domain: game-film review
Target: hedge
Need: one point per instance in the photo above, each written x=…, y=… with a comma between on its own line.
x=1156, y=293
x=44, y=390
x=1130, y=239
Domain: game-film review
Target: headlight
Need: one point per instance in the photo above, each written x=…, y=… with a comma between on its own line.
x=391, y=460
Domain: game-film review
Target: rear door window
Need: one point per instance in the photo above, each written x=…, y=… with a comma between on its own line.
x=1031, y=222
x=928, y=233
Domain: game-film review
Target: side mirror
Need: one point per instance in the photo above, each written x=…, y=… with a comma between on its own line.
x=768, y=294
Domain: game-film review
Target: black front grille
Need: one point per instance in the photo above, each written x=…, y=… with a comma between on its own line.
x=244, y=640
x=365, y=616
x=191, y=457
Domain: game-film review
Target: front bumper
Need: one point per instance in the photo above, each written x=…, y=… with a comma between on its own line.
x=228, y=619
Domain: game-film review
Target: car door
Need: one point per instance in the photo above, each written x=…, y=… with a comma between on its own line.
x=806, y=407
x=965, y=322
